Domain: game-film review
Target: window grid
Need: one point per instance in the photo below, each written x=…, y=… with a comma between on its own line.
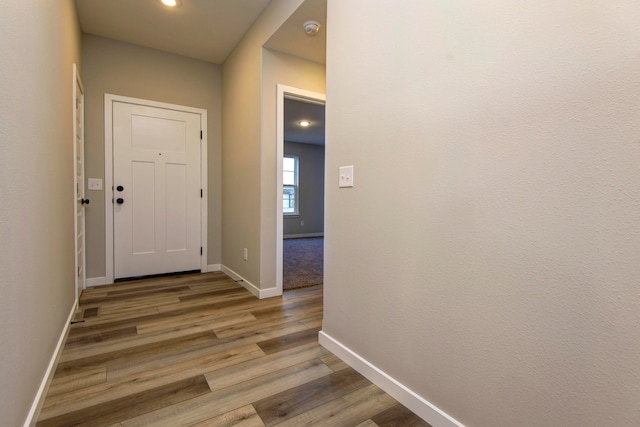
x=290, y=185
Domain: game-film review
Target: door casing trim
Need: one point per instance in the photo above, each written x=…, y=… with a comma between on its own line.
x=283, y=92
x=109, y=99
x=77, y=84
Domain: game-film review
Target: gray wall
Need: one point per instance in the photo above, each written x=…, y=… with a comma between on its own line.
x=248, y=180
x=124, y=69
x=39, y=42
x=488, y=256
x=311, y=184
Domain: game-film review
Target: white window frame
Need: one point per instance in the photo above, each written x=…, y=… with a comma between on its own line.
x=296, y=186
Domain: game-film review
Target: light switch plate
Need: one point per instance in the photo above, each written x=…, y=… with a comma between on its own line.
x=346, y=176
x=94, y=184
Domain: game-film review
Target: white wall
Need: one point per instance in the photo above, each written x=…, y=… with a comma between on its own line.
x=39, y=42
x=124, y=69
x=488, y=256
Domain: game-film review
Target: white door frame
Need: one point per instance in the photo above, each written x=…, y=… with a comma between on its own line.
x=109, y=99
x=301, y=95
x=80, y=275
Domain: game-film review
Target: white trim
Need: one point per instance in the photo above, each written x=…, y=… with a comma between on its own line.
x=204, y=216
x=260, y=293
x=109, y=99
x=97, y=281
x=421, y=407
x=77, y=83
x=282, y=93
x=296, y=185
x=38, y=401
x=214, y=267
x=300, y=236
x=108, y=186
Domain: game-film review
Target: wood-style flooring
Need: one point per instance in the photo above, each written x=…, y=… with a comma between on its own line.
x=200, y=350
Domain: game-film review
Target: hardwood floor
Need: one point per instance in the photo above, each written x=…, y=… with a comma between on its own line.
x=200, y=350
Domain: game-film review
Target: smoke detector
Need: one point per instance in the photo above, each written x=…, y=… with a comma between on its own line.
x=311, y=28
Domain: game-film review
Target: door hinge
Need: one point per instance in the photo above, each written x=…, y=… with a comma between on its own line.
x=200, y=250
x=201, y=193
x=200, y=134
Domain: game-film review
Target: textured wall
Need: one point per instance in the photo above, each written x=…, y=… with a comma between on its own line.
x=488, y=257
x=39, y=42
x=124, y=69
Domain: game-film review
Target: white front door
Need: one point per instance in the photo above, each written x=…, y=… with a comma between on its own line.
x=156, y=190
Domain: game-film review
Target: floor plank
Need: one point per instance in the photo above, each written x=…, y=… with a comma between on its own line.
x=140, y=353
x=229, y=398
x=275, y=345
x=398, y=416
x=200, y=350
x=140, y=382
x=290, y=403
x=348, y=410
x=245, y=416
x=120, y=409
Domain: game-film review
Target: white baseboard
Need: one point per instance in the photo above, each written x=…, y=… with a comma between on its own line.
x=299, y=236
x=260, y=293
x=213, y=267
x=38, y=401
x=419, y=406
x=96, y=281
x=270, y=292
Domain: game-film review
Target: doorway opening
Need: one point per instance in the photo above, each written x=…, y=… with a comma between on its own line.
x=300, y=188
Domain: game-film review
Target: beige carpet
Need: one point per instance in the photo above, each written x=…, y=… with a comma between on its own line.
x=302, y=261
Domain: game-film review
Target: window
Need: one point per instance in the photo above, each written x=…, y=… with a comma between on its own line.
x=290, y=185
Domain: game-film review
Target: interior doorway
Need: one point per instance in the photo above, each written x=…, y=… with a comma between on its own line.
x=300, y=188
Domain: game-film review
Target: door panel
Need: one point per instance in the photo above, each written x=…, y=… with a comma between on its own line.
x=143, y=205
x=156, y=155
x=176, y=189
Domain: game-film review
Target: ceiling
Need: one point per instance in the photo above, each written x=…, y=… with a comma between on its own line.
x=209, y=30
x=294, y=112
x=203, y=29
x=291, y=39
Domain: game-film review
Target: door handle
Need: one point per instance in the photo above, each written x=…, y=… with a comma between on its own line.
x=120, y=188
x=119, y=200
x=84, y=201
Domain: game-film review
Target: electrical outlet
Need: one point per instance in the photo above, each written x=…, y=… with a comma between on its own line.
x=246, y=254
x=301, y=223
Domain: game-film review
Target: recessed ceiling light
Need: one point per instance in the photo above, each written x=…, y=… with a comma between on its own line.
x=304, y=123
x=170, y=3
